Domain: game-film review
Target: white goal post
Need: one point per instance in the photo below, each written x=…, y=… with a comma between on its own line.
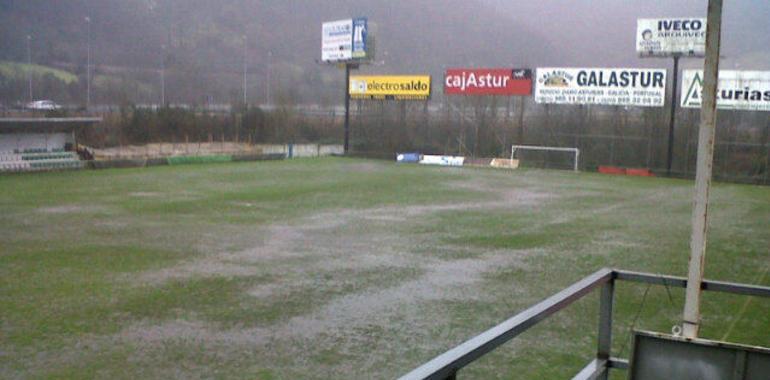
x=576, y=151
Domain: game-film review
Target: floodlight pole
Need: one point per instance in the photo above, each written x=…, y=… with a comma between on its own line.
x=347, y=108
x=245, y=68
x=163, y=76
x=29, y=65
x=672, y=119
x=267, y=88
x=706, y=135
x=88, y=64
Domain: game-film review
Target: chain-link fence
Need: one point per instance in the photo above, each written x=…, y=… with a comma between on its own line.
x=476, y=127
x=606, y=135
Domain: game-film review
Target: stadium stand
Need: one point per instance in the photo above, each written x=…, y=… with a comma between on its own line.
x=40, y=144
x=35, y=159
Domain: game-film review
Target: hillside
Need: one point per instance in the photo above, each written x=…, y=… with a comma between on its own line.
x=204, y=41
x=19, y=71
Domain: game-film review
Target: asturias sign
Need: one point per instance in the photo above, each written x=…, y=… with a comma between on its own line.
x=736, y=90
x=488, y=82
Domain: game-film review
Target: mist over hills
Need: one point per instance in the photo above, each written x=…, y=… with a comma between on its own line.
x=204, y=41
x=205, y=45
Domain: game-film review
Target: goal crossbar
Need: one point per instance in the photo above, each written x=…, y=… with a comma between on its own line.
x=547, y=148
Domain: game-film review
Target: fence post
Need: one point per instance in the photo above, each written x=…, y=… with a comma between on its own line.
x=605, y=324
x=767, y=151
x=650, y=137
x=521, y=121
x=612, y=150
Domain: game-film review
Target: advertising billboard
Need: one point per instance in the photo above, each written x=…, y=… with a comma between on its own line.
x=736, y=90
x=360, y=30
x=671, y=36
x=396, y=87
x=428, y=159
x=615, y=87
x=488, y=82
x=344, y=40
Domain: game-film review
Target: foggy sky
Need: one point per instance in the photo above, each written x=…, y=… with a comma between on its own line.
x=205, y=44
x=602, y=32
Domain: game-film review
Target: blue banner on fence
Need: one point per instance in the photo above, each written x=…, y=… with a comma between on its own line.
x=408, y=157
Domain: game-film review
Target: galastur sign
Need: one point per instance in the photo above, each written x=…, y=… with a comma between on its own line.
x=608, y=86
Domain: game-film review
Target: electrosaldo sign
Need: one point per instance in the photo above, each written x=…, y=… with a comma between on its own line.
x=396, y=87
x=344, y=40
x=736, y=90
x=615, y=87
x=671, y=36
x=488, y=82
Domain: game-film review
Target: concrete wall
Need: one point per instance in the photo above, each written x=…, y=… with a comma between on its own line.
x=301, y=150
x=328, y=150
x=205, y=149
x=272, y=149
x=21, y=141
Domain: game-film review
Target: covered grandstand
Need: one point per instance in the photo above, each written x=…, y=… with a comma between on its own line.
x=37, y=144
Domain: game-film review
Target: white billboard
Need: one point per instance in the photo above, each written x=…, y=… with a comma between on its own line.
x=442, y=160
x=671, y=36
x=736, y=90
x=337, y=40
x=343, y=40
x=616, y=87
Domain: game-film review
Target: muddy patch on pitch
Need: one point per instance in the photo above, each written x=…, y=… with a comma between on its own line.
x=69, y=209
x=145, y=194
x=364, y=167
x=373, y=306
x=355, y=239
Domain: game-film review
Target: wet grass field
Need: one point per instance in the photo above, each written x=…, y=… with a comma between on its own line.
x=342, y=268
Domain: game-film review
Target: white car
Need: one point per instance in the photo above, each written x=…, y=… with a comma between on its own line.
x=44, y=105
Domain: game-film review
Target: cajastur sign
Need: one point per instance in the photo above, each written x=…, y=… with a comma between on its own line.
x=488, y=82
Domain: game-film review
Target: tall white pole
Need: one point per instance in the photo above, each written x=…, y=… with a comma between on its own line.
x=706, y=136
x=245, y=68
x=88, y=66
x=29, y=65
x=163, y=76
x=269, y=64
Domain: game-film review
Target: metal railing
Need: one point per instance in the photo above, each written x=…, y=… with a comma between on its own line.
x=446, y=365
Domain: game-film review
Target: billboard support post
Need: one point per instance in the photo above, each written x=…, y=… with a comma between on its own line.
x=344, y=42
x=521, y=121
x=672, y=119
x=347, y=108
x=705, y=163
x=666, y=37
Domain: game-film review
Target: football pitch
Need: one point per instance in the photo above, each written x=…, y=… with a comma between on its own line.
x=342, y=268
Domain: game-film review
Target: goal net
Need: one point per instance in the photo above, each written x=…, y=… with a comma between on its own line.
x=546, y=156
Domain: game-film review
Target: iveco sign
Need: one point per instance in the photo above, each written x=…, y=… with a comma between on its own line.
x=671, y=36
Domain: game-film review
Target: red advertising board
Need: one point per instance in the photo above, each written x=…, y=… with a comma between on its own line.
x=488, y=82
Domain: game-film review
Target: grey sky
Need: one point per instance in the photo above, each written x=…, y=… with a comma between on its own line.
x=602, y=32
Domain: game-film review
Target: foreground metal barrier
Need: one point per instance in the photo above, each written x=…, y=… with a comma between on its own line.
x=446, y=365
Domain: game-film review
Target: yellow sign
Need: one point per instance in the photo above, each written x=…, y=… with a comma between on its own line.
x=396, y=87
